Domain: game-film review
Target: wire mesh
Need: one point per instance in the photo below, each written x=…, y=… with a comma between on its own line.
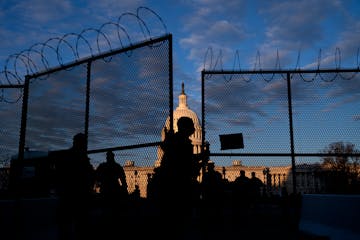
x=10, y=115
x=325, y=107
x=324, y=112
x=130, y=102
x=255, y=108
x=56, y=109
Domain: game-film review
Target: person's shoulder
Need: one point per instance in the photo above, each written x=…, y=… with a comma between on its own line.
x=177, y=137
x=101, y=165
x=59, y=153
x=118, y=165
x=60, y=157
x=114, y=165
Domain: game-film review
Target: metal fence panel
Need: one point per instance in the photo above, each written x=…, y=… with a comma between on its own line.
x=324, y=111
x=10, y=115
x=129, y=102
x=56, y=109
x=120, y=99
x=253, y=107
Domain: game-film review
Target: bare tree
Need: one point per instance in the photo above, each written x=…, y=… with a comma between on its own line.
x=342, y=164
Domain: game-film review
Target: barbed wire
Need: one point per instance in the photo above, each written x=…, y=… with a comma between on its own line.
x=216, y=64
x=39, y=56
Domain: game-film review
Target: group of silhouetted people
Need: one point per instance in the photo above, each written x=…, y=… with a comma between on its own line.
x=75, y=179
x=175, y=186
x=247, y=190
x=174, y=189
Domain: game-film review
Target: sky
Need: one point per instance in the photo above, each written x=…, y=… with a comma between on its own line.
x=217, y=34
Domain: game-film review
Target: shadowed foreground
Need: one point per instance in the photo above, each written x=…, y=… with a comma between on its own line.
x=36, y=219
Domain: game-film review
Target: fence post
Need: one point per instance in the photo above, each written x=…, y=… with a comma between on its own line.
x=23, y=119
x=291, y=132
x=87, y=103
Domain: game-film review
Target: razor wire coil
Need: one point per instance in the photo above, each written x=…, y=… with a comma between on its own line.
x=37, y=57
x=215, y=64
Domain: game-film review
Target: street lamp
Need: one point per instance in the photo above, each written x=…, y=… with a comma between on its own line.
x=266, y=173
x=135, y=176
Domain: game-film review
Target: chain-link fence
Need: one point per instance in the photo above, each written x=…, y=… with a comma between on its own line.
x=10, y=114
x=288, y=120
x=119, y=99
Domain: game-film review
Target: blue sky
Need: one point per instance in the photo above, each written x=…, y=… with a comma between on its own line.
x=246, y=26
x=302, y=33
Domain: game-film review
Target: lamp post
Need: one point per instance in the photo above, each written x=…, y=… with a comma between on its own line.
x=135, y=176
x=266, y=173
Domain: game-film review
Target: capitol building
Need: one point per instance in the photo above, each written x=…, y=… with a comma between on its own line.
x=275, y=178
x=182, y=111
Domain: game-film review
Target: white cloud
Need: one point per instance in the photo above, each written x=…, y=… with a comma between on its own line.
x=42, y=11
x=193, y=40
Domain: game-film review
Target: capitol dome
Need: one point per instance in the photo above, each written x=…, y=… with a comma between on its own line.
x=183, y=111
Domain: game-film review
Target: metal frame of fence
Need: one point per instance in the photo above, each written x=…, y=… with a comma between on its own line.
x=88, y=62
x=288, y=73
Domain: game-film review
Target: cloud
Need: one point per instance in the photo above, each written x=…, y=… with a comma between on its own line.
x=212, y=23
x=356, y=117
x=37, y=21
x=42, y=11
x=289, y=26
x=303, y=25
x=349, y=44
x=299, y=18
x=112, y=8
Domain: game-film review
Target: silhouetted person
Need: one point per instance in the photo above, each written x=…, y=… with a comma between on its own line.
x=241, y=186
x=111, y=178
x=152, y=188
x=256, y=186
x=212, y=193
x=212, y=185
x=177, y=188
x=74, y=185
x=241, y=183
x=135, y=195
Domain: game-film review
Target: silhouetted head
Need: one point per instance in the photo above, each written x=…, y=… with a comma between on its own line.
x=79, y=141
x=185, y=126
x=211, y=166
x=242, y=173
x=253, y=174
x=110, y=155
